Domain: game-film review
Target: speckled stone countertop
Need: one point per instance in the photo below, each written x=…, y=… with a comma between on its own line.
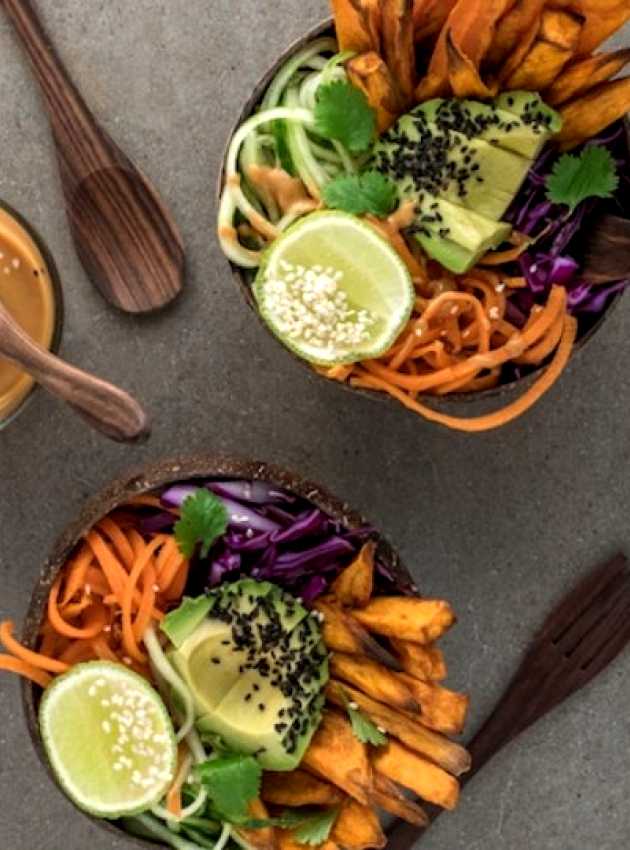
x=500, y=524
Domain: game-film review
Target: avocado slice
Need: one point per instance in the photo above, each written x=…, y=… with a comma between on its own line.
x=454, y=236
x=256, y=667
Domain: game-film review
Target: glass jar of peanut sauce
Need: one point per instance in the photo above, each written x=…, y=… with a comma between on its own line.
x=31, y=292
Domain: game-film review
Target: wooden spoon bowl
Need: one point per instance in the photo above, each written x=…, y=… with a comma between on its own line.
x=142, y=481
x=505, y=393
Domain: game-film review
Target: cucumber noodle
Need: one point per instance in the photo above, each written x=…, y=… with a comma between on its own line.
x=282, y=134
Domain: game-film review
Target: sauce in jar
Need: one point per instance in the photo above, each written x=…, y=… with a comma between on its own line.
x=27, y=292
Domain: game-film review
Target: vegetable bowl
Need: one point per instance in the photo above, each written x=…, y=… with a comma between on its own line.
x=466, y=171
x=220, y=653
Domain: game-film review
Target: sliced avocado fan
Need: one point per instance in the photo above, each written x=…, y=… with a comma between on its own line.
x=462, y=163
x=256, y=665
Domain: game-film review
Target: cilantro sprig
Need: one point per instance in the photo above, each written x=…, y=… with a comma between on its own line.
x=316, y=828
x=232, y=782
x=203, y=520
x=370, y=192
x=363, y=729
x=342, y=113
x=592, y=174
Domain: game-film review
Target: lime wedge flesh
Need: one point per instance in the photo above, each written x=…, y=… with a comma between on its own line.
x=109, y=739
x=333, y=290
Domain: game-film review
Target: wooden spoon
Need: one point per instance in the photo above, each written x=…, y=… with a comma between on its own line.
x=126, y=239
x=607, y=250
x=105, y=407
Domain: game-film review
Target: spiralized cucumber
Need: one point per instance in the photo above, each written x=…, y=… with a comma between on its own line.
x=282, y=134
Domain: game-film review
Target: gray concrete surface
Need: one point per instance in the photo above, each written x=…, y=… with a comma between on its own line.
x=500, y=524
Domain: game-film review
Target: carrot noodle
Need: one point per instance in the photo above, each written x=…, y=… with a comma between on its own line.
x=500, y=417
x=103, y=602
x=15, y=665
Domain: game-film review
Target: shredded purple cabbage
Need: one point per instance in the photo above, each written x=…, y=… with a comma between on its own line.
x=272, y=535
x=555, y=255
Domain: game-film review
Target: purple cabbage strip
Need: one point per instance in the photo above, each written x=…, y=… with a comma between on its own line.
x=255, y=492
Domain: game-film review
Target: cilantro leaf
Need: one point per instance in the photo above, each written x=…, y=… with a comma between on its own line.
x=342, y=112
x=592, y=174
x=370, y=192
x=204, y=519
x=363, y=729
x=232, y=782
x=316, y=828
x=289, y=819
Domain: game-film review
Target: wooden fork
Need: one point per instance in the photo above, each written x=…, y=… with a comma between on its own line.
x=587, y=631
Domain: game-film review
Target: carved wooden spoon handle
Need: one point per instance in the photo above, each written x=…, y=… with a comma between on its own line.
x=105, y=407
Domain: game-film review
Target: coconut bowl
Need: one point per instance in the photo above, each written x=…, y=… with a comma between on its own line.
x=243, y=278
x=144, y=480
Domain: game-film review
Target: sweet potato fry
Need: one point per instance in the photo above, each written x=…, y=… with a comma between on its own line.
x=398, y=47
x=423, y=662
x=369, y=73
x=342, y=633
x=602, y=19
x=520, y=22
x=417, y=620
x=429, y=782
x=357, y=828
x=337, y=756
x=260, y=839
x=435, y=747
x=299, y=788
x=429, y=16
x=287, y=841
x=441, y=709
x=554, y=47
x=581, y=76
x=354, y=586
x=389, y=797
x=455, y=66
x=374, y=680
x=354, y=26
x=517, y=56
x=587, y=116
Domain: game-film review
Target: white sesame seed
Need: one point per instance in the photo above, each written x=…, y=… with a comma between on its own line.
x=354, y=706
x=381, y=730
x=106, y=726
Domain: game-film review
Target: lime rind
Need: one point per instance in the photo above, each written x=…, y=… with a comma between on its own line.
x=80, y=747
x=390, y=325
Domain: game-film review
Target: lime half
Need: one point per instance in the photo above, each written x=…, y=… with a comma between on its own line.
x=333, y=290
x=109, y=739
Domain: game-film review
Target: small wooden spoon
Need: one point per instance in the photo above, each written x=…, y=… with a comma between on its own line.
x=105, y=407
x=126, y=239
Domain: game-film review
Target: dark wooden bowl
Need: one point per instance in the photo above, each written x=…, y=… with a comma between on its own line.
x=144, y=480
x=505, y=393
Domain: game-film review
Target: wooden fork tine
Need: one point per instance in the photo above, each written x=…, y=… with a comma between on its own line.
x=605, y=634
x=600, y=608
x=574, y=605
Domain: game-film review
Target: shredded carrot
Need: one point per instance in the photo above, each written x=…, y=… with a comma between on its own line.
x=174, y=795
x=497, y=258
x=102, y=602
x=15, y=665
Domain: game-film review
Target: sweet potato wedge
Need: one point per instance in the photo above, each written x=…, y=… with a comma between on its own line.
x=429, y=16
x=587, y=116
x=422, y=662
x=389, y=797
x=434, y=746
x=374, y=680
x=417, y=620
x=602, y=19
x=260, y=839
x=455, y=66
x=287, y=841
x=299, y=788
x=354, y=25
x=410, y=770
x=398, y=47
x=554, y=47
x=357, y=828
x=342, y=633
x=584, y=74
x=520, y=22
x=441, y=709
x=369, y=73
x=336, y=755
x=354, y=586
